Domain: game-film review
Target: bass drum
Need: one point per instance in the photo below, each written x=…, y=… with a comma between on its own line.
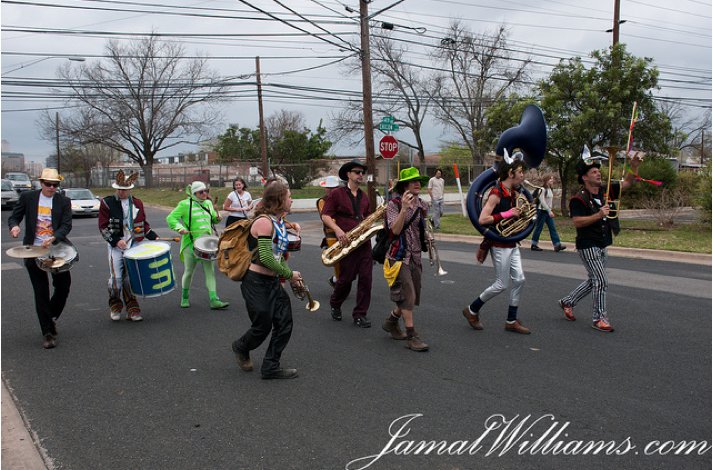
x=478, y=194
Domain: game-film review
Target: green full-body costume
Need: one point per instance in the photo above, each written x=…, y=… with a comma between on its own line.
x=196, y=217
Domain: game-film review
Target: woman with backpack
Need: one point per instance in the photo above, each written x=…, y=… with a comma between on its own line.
x=238, y=203
x=192, y=218
x=267, y=303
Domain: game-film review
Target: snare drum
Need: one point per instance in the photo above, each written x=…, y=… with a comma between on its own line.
x=294, y=242
x=150, y=269
x=206, y=247
x=60, y=251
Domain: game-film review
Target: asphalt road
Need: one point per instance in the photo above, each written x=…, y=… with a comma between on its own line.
x=166, y=393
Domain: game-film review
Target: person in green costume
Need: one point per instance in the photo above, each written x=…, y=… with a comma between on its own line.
x=194, y=217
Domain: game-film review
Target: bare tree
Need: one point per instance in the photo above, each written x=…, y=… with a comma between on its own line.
x=81, y=160
x=399, y=92
x=479, y=71
x=144, y=98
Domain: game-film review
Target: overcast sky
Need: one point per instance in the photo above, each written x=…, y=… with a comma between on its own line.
x=37, y=37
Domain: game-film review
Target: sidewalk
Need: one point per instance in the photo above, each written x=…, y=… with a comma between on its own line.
x=19, y=450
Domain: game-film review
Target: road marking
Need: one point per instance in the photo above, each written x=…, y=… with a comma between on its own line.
x=9, y=266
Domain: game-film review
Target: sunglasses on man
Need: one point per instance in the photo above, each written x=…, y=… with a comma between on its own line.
x=50, y=185
x=203, y=191
x=358, y=172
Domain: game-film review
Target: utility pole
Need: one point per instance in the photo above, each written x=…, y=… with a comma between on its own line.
x=366, y=96
x=56, y=128
x=263, y=134
x=615, y=29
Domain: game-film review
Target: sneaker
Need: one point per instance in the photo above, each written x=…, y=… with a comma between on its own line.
x=134, y=316
x=473, y=320
x=602, y=325
x=560, y=247
x=280, y=374
x=362, y=322
x=535, y=248
x=568, y=311
x=243, y=358
x=115, y=316
x=391, y=326
x=414, y=343
x=331, y=282
x=217, y=304
x=49, y=341
x=516, y=327
x=336, y=314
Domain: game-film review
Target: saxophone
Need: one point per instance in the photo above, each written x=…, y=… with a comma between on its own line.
x=357, y=236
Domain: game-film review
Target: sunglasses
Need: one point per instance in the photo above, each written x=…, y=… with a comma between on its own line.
x=50, y=185
x=203, y=191
x=358, y=172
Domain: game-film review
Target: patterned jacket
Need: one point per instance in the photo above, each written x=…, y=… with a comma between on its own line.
x=111, y=220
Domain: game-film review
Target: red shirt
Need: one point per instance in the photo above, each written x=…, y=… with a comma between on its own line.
x=340, y=206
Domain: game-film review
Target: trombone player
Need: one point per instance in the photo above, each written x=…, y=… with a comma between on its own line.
x=589, y=210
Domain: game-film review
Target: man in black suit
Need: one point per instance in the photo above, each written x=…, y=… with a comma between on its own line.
x=48, y=220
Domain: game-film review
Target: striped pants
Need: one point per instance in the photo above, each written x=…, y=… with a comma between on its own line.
x=595, y=261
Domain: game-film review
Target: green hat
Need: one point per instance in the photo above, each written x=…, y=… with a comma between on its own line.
x=410, y=174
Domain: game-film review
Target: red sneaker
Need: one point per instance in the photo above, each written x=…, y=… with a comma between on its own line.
x=602, y=325
x=568, y=311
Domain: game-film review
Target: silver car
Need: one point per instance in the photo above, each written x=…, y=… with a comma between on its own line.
x=9, y=195
x=83, y=201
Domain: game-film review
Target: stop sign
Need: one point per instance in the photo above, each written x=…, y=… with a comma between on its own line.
x=388, y=147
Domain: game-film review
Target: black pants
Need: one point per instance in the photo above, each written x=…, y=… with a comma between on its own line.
x=270, y=310
x=231, y=219
x=48, y=309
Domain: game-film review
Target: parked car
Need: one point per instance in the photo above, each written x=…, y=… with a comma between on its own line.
x=20, y=181
x=83, y=201
x=36, y=184
x=9, y=195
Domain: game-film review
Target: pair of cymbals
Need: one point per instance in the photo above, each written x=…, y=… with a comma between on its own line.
x=27, y=251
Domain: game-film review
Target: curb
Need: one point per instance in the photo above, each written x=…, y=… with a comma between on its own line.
x=19, y=448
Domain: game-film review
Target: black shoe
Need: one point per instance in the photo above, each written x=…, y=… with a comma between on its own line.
x=362, y=322
x=336, y=314
x=331, y=282
x=560, y=247
x=535, y=248
x=281, y=374
x=49, y=341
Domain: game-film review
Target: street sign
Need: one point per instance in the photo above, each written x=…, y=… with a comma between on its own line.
x=386, y=127
x=388, y=147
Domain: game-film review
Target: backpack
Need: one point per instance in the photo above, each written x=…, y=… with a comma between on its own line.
x=233, y=253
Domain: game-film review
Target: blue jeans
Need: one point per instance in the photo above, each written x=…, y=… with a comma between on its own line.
x=542, y=217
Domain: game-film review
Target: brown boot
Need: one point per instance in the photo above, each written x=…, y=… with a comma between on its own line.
x=517, y=328
x=474, y=320
x=391, y=326
x=414, y=343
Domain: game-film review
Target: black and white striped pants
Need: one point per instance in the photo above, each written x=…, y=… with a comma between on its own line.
x=595, y=261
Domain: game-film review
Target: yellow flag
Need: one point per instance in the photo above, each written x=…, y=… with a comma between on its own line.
x=391, y=271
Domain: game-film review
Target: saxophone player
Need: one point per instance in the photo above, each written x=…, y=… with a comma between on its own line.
x=506, y=255
x=345, y=208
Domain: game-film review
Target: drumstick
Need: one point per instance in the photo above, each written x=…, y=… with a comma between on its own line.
x=174, y=239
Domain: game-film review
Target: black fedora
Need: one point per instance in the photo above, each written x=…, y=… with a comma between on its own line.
x=349, y=166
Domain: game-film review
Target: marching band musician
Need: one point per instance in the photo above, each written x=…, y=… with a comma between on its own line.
x=48, y=220
x=346, y=207
x=405, y=217
x=589, y=210
x=266, y=301
x=122, y=222
x=192, y=218
x=506, y=255
x=330, y=238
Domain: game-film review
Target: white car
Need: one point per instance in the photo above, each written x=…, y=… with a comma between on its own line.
x=20, y=181
x=83, y=201
x=9, y=195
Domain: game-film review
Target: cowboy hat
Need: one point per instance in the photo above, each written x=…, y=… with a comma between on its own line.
x=50, y=174
x=122, y=182
x=349, y=166
x=407, y=175
x=330, y=181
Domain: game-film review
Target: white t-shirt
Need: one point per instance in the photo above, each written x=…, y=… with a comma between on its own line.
x=241, y=203
x=43, y=229
x=436, y=187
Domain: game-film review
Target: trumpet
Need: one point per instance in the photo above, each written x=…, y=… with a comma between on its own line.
x=433, y=257
x=300, y=290
x=528, y=212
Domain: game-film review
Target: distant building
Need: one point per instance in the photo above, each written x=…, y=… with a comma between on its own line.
x=12, y=161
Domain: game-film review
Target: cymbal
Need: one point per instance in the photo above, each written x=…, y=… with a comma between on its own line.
x=53, y=263
x=27, y=251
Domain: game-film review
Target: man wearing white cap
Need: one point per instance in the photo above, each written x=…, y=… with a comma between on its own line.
x=48, y=220
x=122, y=222
x=192, y=218
x=330, y=238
